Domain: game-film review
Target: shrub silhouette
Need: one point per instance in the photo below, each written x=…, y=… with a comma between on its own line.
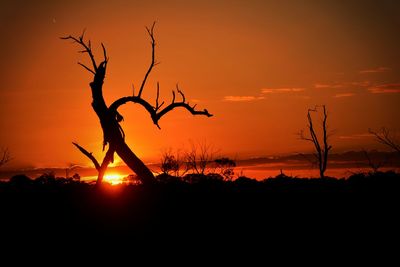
x=226, y=167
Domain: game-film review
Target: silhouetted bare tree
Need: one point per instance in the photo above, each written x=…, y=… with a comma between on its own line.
x=321, y=150
x=170, y=163
x=375, y=165
x=198, y=157
x=4, y=156
x=387, y=138
x=110, y=118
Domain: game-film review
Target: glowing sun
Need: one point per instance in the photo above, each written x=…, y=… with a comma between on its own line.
x=113, y=178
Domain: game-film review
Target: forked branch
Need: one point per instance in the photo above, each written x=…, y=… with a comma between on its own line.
x=386, y=138
x=89, y=155
x=150, y=31
x=87, y=48
x=154, y=111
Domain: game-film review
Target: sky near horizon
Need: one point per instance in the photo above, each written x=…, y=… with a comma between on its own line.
x=256, y=65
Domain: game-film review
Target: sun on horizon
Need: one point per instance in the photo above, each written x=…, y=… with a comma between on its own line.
x=114, y=178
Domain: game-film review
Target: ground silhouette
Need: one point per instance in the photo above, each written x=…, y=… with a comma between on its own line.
x=200, y=209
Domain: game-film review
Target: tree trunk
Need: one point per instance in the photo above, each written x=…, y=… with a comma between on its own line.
x=113, y=134
x=114, y=137
x=133, y=162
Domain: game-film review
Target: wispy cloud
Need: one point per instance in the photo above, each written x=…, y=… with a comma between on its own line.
x=281, y=90
x=232, y=98
x=323, y=85
x=360, y=84
x=338, y=85
x=377, y=70
x=385, y=88
x=355, y=136
x=343, y=95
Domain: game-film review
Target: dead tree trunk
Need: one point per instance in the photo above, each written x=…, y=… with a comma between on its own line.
x=321, y=150
x=113, y=135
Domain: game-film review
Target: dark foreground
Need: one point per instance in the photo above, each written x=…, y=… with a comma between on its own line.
x=282, y=213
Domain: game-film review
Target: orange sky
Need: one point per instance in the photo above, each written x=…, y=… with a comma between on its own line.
x=256, y=65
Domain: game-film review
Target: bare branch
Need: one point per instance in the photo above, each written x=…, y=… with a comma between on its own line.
x=88, y=69
x=173, y=96
x=158, y=106
x=5, y=156
x=104, y=52
x=89, y=155
x=181, y=93
x=386, y=138
x=183, y=105
x=302, y=136
x=153, y=111
x=153, y=63
x=88, y=49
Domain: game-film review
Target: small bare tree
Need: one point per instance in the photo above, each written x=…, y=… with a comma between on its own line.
x=110, y=118
x=170, y=163
x=198, y=157
x=321, y=149
x=387, y=138
x=5, y=156
x=373, y=164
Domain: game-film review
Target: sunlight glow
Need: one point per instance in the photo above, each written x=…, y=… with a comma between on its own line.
x=113, y=178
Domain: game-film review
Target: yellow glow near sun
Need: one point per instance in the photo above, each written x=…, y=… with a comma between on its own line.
x=113, y=178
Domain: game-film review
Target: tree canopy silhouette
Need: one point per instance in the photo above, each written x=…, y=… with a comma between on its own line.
x=110, y=118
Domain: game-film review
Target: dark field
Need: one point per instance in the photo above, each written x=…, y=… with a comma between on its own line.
x=276, y=212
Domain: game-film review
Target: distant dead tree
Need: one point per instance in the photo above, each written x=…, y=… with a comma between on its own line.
x=110, y=118
x=387, y=138
x=170, y=163
x=198, y=157
x=321, y=149
x=373, y=164
x=5, y=156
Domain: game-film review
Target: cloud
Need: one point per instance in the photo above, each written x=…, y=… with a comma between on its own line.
x=344, y=95
x=323, y=86
x=281, y=90
x=361, y=84
x=242, y=98
x=377, y=70
x=342, y=85
x=264, y=91
x=355, y=136
x=385, y=88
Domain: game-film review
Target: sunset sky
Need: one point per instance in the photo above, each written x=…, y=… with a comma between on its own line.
x=256, y=65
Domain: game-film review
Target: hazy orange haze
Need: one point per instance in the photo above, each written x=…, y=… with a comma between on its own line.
x=256, y=65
